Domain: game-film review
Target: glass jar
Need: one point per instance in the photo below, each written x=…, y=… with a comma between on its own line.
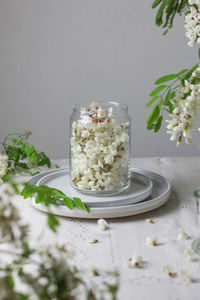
x=100, y=148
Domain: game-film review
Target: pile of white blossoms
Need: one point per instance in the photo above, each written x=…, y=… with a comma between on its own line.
x=192, y=23
x=3, y=167
x=186, y=107
x=99, y=150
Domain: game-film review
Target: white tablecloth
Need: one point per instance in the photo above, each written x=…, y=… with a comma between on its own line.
x=127, y=235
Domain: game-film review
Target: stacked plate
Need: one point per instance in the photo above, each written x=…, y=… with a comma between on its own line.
x=147, y=191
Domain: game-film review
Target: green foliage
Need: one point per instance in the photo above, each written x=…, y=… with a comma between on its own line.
x=48, y=196
x=167, y=10
x=164, y=95
x=22, y=156
x=54, y=276
x=157, y=90
x=53, y=222
x=51, y=196
x=152, y=101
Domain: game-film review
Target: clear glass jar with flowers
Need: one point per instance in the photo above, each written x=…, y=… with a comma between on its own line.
x=100, y=148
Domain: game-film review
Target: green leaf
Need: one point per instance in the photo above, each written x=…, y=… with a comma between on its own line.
x=158, y=124
x=157, y=90
x=181, y=72
x=166, y=78
x=20, y=272
x=165, y=32
x=68, y=202
x=167, y=97
x=153, y=115
x=182, y=5
x=7, y=177
x=173, y=13
x=22, y=297
x=28, y=191
x=150, y=126
x=171, y=6
x=15, y=187
x=156, y=3
x=171, y=107
x=18, y=149
x=87, y=208
x=188, y=74
x=78, y=203
x=52, y=222
x=159, y=15
x=11, y=282
x=152, y=101
x=48, y=162
x=29, y=149
x=27, y=251
x=171, y=96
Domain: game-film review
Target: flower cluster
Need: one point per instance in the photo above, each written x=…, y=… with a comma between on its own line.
x=99, y=150
x=3, y=167
x=192, y=23
x=12, y=230
x=186, y=107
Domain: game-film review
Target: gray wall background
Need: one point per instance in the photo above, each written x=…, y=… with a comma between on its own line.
x=54, y=53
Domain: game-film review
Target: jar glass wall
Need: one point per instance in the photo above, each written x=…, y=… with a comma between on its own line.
x=100, y=148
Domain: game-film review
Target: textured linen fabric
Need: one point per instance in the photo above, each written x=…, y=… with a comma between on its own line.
x=127, y=235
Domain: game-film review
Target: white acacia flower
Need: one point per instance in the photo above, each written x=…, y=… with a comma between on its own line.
x=186, y=107
x=192, y=22
x=135, y=261
x=167, y=270
x=184, y=276
x=102, y=224
x=93, y=271
x=93, y=241
x=100, y=113
x=189, y=254
x=110, y=112
x=192, y=2
x=85, y=134
x=151, y=240
x=3, y=166
x=149, y=221
x=182, y=235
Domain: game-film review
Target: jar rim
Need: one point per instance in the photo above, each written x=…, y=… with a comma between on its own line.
x=113, y=104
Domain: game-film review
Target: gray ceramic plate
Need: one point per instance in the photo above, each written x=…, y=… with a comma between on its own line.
x=140, y=188
x=160, y=194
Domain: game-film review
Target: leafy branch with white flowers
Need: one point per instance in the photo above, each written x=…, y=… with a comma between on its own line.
x=180, y=99
x=54, y=276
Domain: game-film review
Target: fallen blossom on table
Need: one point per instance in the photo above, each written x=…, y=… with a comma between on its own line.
x=167, y=270
x=189, y=254
x=184, y=276
x=135, y=261
x=152, y=241
x=102, y=224
x=182, y=235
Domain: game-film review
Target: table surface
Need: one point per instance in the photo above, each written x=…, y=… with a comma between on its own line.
x=127, y=235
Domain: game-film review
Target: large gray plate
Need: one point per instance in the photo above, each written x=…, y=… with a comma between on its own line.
x=161, y=193
x=140, y=188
